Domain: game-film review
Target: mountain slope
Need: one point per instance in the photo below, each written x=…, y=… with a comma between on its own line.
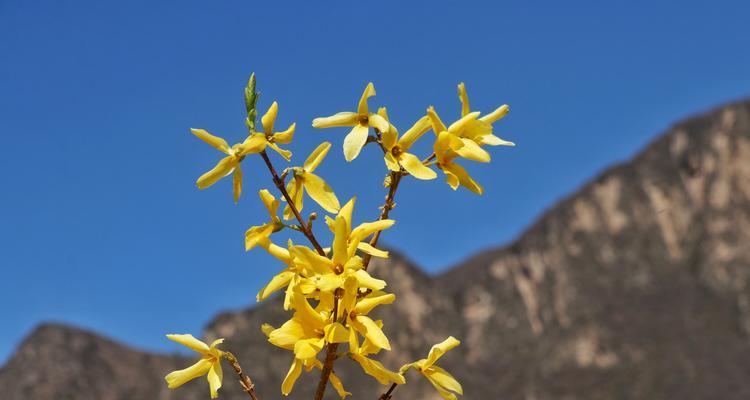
x=636, y=286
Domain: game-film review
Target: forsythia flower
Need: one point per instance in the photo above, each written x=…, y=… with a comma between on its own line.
x=396, y=155
x=444, y=382
x=209, y=364
x=372, y=367
x=446, y=146
x=270, y=138
x=230, y=163
x=481, y=132
x=304, y=179
x=361, y=121
x=465, y=127
x=256, y=234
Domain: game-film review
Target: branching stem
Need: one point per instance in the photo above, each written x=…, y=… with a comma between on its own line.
x=247, y=385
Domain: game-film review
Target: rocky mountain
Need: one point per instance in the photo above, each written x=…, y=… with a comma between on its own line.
x=635, y=287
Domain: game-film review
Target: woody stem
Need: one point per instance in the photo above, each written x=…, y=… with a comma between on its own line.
x=304, y=227
x=385, y=210
x=387, y=395
x=247, y=385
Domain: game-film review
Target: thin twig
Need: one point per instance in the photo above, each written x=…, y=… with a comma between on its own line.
x=247, y=385
x=305, y=228
x=387, y=207
x=387, y=395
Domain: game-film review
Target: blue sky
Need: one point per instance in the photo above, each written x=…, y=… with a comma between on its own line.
x=101, y=224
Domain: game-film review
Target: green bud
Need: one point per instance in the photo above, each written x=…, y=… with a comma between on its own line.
x=251, y=99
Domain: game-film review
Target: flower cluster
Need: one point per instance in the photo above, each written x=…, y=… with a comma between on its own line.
x=328, y=290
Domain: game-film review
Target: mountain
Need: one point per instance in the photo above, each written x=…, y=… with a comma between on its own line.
x=635, y=287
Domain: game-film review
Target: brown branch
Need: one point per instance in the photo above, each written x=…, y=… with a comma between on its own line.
x=387, y=395
x=325, y=373
x=384, y=211
x=305, y=228
x=247, y=385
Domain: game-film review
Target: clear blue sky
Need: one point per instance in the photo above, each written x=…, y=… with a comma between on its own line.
x=101, y=224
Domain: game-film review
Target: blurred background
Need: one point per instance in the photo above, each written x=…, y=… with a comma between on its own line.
x=102, y=226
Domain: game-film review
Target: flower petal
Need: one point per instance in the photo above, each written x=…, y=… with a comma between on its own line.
x=277, y=282
x=378, y=122
x=254, y=143
x=415, y=132
x=286, y=136
x=296, y=193
x=336, y=333
x=340, y=241
x=256, y=234
x=346, y=118
x=316, y=157
x=369, y=92
x=464, y=98
x=178, y=378
x=369, y=329
x=306, y=349
x=391, y=162
x=439, y=349
x=464, y=178
x=338, y=385
x=319, y=191
x=373, y=251
x=269, y=118
x=437, y=124
x=215, y=376
x=190, y=342
x=294, y=372
x=492, y=140
x=287, y=334
x=283, y=153
x=237, y=183
x=225, y=167
x=214, y=141
x=364, y=306
x=499, y=113
x=354, y=141
x=444, y=379
x=414, y=166
x=472, y=151
x=378, y=371
x=365, y=280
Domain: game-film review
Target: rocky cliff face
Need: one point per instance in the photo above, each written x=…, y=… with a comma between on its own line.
x=637, y=286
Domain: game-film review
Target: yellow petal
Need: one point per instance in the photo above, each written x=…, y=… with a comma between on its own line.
x=346, y=212
x=294, y=371
x=271, y=203
x=311, y=259
x=225, y=167
x=369, y=249
x=350, y=294
x=439, y=349
x=237, y=183
x=286, y=154
x=277, y=282
x=388, y=138
x=254, y=143
x=465, y=179
x=287, y=334
x=286, y=136
x=319, y=191
x=178, y=378
x=369, y=92
x=364, y=306
x=336, y=383
x=378, y=371
x=437, y=124
x=369, y=329
x=215, y=376
x=190, y=342
x=256, y=234
x=499, y=113
x=308, y=348
x=472, y=151
x=278, y=252
x=365, y=280
x=340, y=241
x=367, y=228
x=269, y=118
x=414, y=166
x=214, y=141
x=444, y=393
x=464, y=98
x=307, y=315
x=336, y=333
x=296, y=193
x=492, y=140
x=316, y=157
x=391, y=162
x=456, y=127
x=345, y=118
x=354, y=141
x=415, y=132
x=444, y=379
x=378, y=122
x=267, y=329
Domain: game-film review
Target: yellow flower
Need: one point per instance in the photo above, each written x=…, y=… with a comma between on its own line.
x=462, y=129
x=230, y=163
x=480, y=130
x=447, y=146
x=356, y=311
x=396, y=149
x=209, y=364
x=372, y=367
x=361, y=121
x=256, y=234
x=304, y=179
x=444, y=382
x=273, y=139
